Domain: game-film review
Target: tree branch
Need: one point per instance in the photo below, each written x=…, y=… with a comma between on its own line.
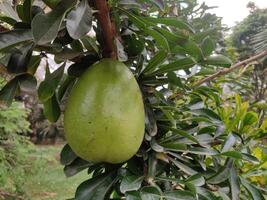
x=233, y=67
x=107, y=29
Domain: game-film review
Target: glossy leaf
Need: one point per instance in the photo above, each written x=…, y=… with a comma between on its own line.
x=45, y=27
x=33, y=64
x=131, y=183
x=27, y=83
x=47, y=88
x=11, y=38
x=134, y=195
x=158, y=3
x=51, y=3
x=27, y=10
x=253, y=191
x=8, y=92
x=192, y=49
x=95, y=188
x=76, y=166
x=79, y=20
x=229, y=143
x=51, y=109
x=67, y=156
x=207, y=46
x=150, y=193
x=197, y=180
x=158, y=59
x=186, y=169
x=218, y=60
x=222, y=174
x=234, y=184
x=171, y=22
x=8, y=20
x=20, y=59
x=181, y=64
x=179, y=195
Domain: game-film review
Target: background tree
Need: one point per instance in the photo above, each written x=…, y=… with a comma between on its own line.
x=196, y=145
x=247, y=40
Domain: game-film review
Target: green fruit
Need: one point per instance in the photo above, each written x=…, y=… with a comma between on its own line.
x=104, y=117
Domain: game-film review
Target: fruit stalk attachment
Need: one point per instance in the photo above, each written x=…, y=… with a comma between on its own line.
x=107, y=29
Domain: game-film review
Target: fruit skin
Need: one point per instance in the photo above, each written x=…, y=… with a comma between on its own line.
x=104, y=117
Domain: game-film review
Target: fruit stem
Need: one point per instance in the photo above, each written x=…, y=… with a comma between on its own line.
x=107, y=29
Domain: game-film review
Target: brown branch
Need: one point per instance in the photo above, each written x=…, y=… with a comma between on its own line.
x=107, y=29
x=3, y=29
x=228, y=70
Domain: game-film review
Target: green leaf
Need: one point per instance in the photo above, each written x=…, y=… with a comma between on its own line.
x=234, y=184
x=192, y=49
x=67, y=156
x=179, y=195
x=8, y=92
x=173, y=38
x=196, y=180
x=65, y=86
x=239, y=155
x=158, y=59
x=76, y=166
x=155, y=146
x=175, y=80
x=8, y=20
x=174, y=146
x=184, y=167
x=229, y=143
x=47, y=88
x=181, y=64
x=134, y=195
x=27, y=10
x=79, y=20
x=184, y=134
x=150, y=122
x=45, y=27
x=95, y=188
x=158, y=3
x=170, y=21
x=150, y=193
x=207, y=46
x=222, y=175
x=202, y=151
x=218, y=60
x=51, y=109
x=19, y=9
x=90, y=44
x=11, y=38
x=161, y=41
x=27, y=83
x=206, y=194
x=130, y=183
x=20, y=59
x=250, y=119
x=133, y=45
x=51, y=3
x=252, y=190
x=33, y=64
x=206, y=112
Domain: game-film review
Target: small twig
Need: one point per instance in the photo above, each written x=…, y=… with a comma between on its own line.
x=107, y=29
x=233, y=67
